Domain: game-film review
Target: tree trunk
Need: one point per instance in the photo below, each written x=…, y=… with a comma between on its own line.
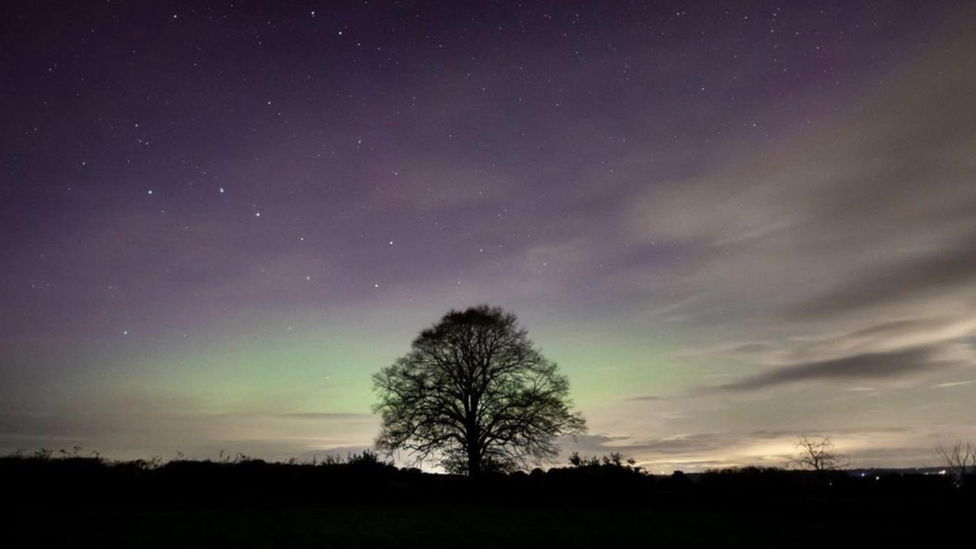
x=474, y=461
x=474, y=449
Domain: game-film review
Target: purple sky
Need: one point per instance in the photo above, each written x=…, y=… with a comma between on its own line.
x=731, y=223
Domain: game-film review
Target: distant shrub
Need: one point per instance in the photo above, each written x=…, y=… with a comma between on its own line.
x=611, y=461
x=366, y=458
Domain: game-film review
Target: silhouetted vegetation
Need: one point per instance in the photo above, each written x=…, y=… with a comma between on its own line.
x=614, y=461
x=360, y=500
x=475, y=395
x=818, y=454
x=960, y=460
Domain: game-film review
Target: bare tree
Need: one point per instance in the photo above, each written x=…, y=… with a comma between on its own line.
x=818, y=455
x=476, y=395
x=960, y=460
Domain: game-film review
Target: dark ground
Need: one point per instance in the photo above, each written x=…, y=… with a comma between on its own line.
x=386, y=525
x=86, y=503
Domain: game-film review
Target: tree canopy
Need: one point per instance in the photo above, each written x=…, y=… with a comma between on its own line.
x=476, y=395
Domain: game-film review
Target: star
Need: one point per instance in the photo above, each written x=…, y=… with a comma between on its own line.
x=592, y=186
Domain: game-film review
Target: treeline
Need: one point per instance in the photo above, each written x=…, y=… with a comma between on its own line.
x=72, y=481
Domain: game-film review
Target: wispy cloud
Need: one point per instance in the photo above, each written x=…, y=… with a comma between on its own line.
x=857, y=367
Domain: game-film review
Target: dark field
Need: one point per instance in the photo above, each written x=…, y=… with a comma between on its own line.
x=387, y=525
x=85, y=503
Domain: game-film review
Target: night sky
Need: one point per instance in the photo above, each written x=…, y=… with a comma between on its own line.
x=730, y=222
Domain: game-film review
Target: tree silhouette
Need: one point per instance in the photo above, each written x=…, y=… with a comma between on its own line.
x=818, y=455
x=476, y=395
x=960, y=460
